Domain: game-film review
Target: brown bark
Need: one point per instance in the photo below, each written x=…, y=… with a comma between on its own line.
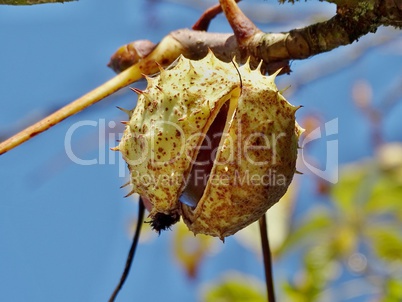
x=353, y=20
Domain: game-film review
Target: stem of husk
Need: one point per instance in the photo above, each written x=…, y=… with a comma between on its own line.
x=266, y=252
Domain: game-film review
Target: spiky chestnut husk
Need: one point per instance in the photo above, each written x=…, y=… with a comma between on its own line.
x=255, y=161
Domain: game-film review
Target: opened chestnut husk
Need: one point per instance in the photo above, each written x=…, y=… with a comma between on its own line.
x=211, y=142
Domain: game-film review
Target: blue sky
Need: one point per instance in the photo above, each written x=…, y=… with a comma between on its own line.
x=64, y=227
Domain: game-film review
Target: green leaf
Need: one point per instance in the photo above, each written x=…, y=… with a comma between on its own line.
x=236, y=288
x=319, y=223
x=355, y=186
x=345, y=192
x=366, y=189
x=393, y=290
x=297, y=294
x=321, y=265
x=344, y=240
x=386, y=242
x=386, y=197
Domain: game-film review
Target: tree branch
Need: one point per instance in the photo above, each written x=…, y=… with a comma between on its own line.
x=277, y=49
x=274, y=50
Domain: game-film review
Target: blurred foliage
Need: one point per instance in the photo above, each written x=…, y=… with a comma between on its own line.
x=357, y=235
x=190, y=250
x=235, y=288
x=360, y=230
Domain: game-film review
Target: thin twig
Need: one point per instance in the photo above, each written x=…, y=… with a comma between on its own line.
x=92, y=97
x=130, y=257
x=167, y=51
x=206, y=18
x=266, y=252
